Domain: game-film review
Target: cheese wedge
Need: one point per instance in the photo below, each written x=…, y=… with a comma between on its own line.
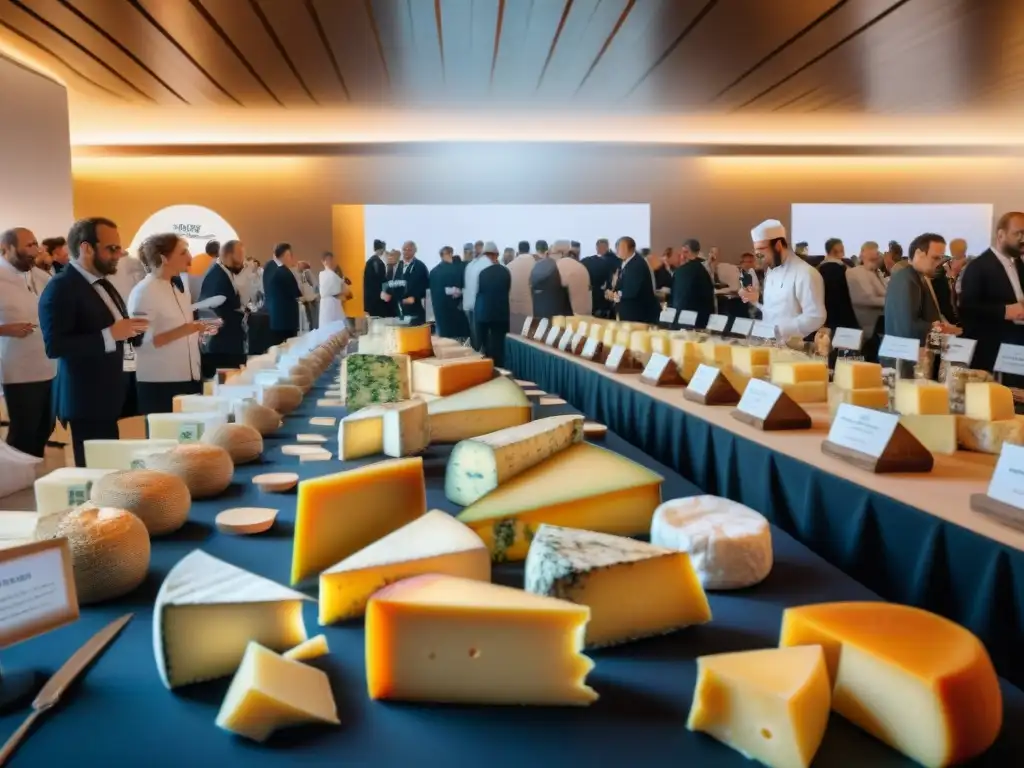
x=856, y=374
x=581, y=487
x=270, y=692
x=716, y=353
x=445, y=639
x=64, y=488
x=434, y=376
x=406, y=428
x=480, y=410
x=988, y=401
x=186, y=427
x=122, y=454
x=770, y=705
x=916, y=397
x=412, y=340
x=433, y=543
x=481, y=464
x=936, y=433
x=313, y=648
x=751, y=359
x=803, y=372
x=207, y=612
x=989, y=436
x=361, y=434
x=372, y=379
x=920, y=683
x=806, y=391
x=633, y=589
x=202, y=404
x=339, y=514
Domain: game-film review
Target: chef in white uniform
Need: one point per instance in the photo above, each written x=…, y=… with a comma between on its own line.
x=794, y=294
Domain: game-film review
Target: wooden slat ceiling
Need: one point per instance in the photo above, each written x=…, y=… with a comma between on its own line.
x=678, y=56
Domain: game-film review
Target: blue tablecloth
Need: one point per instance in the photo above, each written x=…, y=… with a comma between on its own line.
x=119, y=715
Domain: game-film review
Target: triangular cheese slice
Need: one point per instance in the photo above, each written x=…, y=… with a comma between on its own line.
x=445, y=639
x=433, y=543
x=313, y=648
x=581, y=487
x=494, y=405
x=207, y=612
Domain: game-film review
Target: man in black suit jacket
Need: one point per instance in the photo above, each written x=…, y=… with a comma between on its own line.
x=85, y=327
x=634, y=291
x=491, y=310
x=694, y=290
x=408, y=287
x=282, y=296
x=271, y=266
x=225, y=349
x=991, y=295
x=374, y=277
x=601, y=266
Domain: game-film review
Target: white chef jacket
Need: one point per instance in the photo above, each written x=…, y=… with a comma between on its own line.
x=471, y=281
x=22, y=360
x=794, y=298
x=166, y=308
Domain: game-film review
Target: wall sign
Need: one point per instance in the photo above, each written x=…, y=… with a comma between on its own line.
x=196, y=224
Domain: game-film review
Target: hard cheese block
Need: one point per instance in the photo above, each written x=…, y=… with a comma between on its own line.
x=480, y=410
x=875, y=397
x=936, y=433
x=856, y=374
x=581, y=487
x=433, y=543
x=412, y=340
x=313, y=648
x=446, y=377
x=633, y=589
x=752, y=361
x=730, y=545
x=921, y=397
x=479, y=465
x=361, y=434
x=339, y=514
x=989, y=436
x=445, y=639
x=122, y=454
x=716, y=353
x=202, y=404
x=988, y=401
x=406, y=428
x=372, y=379
x=64, y=488
x=207, y=612
x=270, y=692
x=803, y=372
x=917, y=681
x=806, y=391
x=770, y=705
x=183, y=427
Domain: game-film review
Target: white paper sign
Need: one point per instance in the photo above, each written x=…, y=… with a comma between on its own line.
x=542, y=329
x=656, y=366
x=717, y=323
x=687, y=317
x=1010, y=359
x=959, y=350
x=566, y=341
x=863, y=429
x=667, y=316
x=703, y=378
x=526, y=326
x=743, y=326
x=848, y=338
x=759, y=398
x=1007, y=483
x=762, y=329
x=590, y=349
x=552, y=336
x=900, y=348
x=615, y=357
x=36, y=590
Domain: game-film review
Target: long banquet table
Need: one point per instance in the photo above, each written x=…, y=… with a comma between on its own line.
x=911, y=538
x=119, y=714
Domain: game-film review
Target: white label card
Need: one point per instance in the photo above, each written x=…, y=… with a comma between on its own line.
x=566, y=341
x=667, y=316
x=1010, y=359
x=717, y=323
x=742, y=326
x=656, y=366
x=1007, y=483
x=900, y=348
x=542, y=329
x=590, y=348
x=687, y=317
x=615, y=356
x=552, y=336
x=848, y=338
x=959, y=350
x=526, y=326
x=189, y=433
x=37, y=590
x=761, y=330
x=759, y=398
x=703, y=378
x=863, y=429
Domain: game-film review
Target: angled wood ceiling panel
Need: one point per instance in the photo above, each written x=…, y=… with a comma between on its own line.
x=528, y=33
x=409, y=39
x=590, y=26
x=468, y=28
x=350, y=33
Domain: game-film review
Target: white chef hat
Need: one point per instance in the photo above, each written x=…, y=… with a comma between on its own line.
x=767, y=230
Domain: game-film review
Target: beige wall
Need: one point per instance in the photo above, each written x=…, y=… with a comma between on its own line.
x=716, y=199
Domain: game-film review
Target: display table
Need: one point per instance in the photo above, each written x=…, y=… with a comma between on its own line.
x=119, y=714
x=911, y=538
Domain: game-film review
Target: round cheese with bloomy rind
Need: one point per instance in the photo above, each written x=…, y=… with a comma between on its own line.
x=159, y=499
x=730, y=545
x=264, y=420
x=243, y=443
x=206, y=469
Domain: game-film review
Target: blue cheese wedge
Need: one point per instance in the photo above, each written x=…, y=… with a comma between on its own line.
x=373, y=379
x=633, y=589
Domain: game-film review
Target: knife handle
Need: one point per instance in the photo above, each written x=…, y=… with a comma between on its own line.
x=12, y=743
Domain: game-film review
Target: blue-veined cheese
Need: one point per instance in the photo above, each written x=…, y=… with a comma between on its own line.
x=372, y=379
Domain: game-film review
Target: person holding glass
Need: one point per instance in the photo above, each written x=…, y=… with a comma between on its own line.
x=168, y=361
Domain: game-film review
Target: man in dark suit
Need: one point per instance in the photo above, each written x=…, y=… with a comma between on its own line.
x=634, y=290
x=271, y=266
x=282, y=296
x=226, y=348
x=491, y=310
x=85, y=327
x=693, y=289
x=446, y=296
x=991, y=297
x=601, y=266
x=374, y=277
x=408, y=288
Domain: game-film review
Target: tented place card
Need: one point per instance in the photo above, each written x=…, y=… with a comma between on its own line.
x=552, y=337
x=621, y=360
x=687, y=318
x=1010, y=359
x=1005, y=498
x=848, y=338
x=579, y=341
x=529, y=326
x=565, y=343
x=742, y=326
x=37, y=590
x=709, y=387
x=761, y=330
x=899, y=348
x=592, y=350
x=667, y=316
x=959, y=350
x=717, y=323
x=542, y=329
x=661, y=371
x=765, y=406
x=875, y=441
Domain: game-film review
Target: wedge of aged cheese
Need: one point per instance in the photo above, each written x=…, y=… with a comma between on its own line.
x=988, y=401
x=639, y=343
x=716, y=353
x=207, y=612
x=445, y=639
x=183, y=427
x=412, y=340
x=480, y=410
x=920, y=683
x=361, y=433
x=122, y=454
x=633, y=589
x=856, y=374
x=751, y=360
x=936, y=433
x=406, y=428
x=989, y=436
x=479, y=465
x=434, y=376
x=313, y=648
x=804, y=372
x=373, y=379
x=875, y=397
x=64, y=488
x=581, y=487
x=806, y=391
x=270, y=692
x=433, y=543
x=769, y=705
x=921, y=397
x=729, y=544
x=202, y=404
x=337, y=515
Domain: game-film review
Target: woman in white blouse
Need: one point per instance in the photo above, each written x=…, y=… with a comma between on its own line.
x=168, y=360
x=333, y=291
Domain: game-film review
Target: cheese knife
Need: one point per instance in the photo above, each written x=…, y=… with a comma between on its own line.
x=61, y=679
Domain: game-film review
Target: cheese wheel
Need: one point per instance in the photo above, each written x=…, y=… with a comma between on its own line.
x=109, y=550
x=243, y=443
x=730, y=545
x=302, y=369
x=264, y=420
x=301, y=380
x=206, y=469
x=160, y=500
x=283, y=398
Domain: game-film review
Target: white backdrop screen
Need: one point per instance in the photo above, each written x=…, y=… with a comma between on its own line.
x=854, y=224
x=434, y=226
